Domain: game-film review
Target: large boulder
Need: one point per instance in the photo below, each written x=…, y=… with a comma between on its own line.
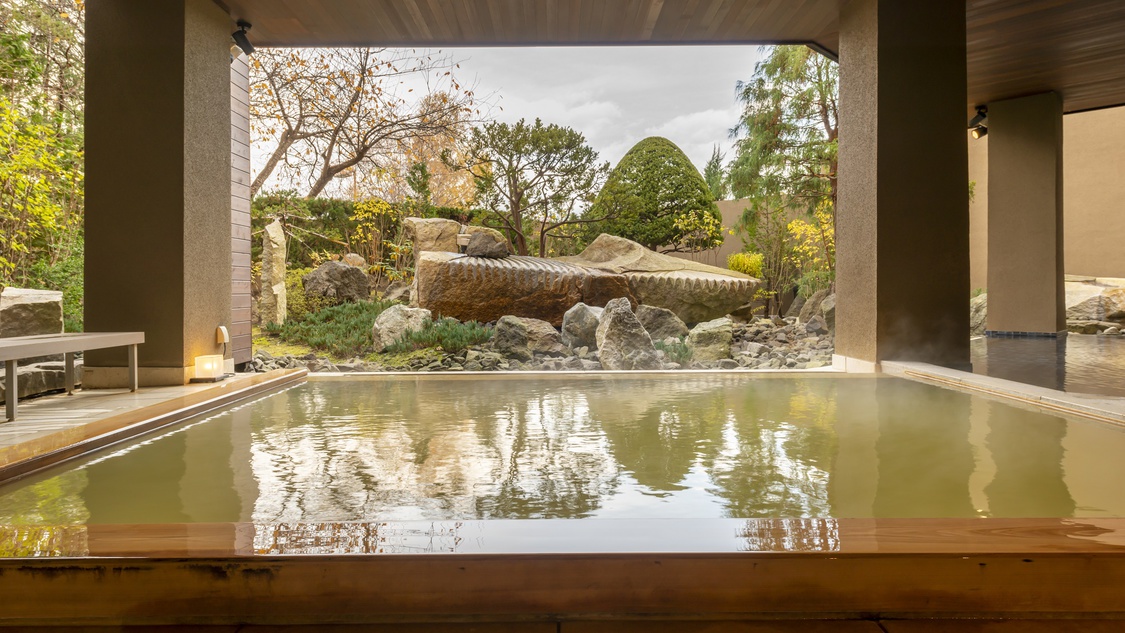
x=481, y=289
x=520, y=338
x=42, y=377
x=695, y=292
x=487, y=245
x=580, y=326
x=1095, y=300
x=272, y=303
x=1084, y=301
x=711, y=340
x=623, y=342
x=828, y=310
x=29, y=312
x=394, y=322
x=978, y=315
x=812, y=305
x=337, y=281
x=1113, y=302
x=431, y=234
x=661, y=323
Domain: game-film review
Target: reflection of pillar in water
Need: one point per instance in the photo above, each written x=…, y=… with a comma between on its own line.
x=207, y=485
x=1027, y=448
x=985, y=470
x=1093, y=468
x=241, y=461
x=925, y=460
x=855, y=467
x=141, y=486
x=1032, y=361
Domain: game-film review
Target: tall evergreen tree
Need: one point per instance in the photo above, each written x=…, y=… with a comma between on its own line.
x=715, y=175
x=786, y=138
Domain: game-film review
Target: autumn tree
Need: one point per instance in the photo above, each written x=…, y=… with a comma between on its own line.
x=329, y=112
x=656, y=197
x=536, y=179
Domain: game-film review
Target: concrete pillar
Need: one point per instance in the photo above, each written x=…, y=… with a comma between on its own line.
x=1025, y=219
x=158, y=183
x=902, y=276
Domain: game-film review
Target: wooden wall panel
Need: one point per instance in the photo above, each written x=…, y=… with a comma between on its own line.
x=241, y=347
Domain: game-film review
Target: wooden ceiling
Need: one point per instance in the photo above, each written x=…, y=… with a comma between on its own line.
x=1016, y=47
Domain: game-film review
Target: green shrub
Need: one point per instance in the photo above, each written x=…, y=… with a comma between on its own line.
x=66, y=276
x=449, y=334
x=814, y=281
x=297, y=304
x=677, y=352
x=343, y=331
x=746, y=263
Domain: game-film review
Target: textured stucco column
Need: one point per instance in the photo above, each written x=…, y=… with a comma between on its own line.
x=903, y=214
x=158, y=183
x=1025, y=215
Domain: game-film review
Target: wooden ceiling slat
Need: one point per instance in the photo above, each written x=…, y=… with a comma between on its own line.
x=1015, y=47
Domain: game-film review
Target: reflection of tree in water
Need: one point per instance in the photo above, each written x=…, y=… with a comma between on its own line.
x=658, y=430
x=53, y=500
x=779, y=449
x=430, y=449
x=791, y=535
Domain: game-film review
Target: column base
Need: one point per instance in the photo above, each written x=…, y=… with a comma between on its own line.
x=118, y=377
x=854, y=365
x=1005, y=334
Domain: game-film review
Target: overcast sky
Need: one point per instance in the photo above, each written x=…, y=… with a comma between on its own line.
x=617, y=96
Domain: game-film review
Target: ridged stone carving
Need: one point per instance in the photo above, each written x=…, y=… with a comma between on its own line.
x=480, y=289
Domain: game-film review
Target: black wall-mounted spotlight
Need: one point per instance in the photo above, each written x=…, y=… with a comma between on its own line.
x=240, y=40
x=976, y=124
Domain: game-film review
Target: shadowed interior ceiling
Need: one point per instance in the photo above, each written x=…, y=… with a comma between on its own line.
x=1015, y=47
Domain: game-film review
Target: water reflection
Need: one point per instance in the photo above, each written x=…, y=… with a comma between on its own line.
x=691, y=447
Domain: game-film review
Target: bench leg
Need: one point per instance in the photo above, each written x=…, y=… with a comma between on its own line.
x=11, y=389
x=133, y=368
x=69, y=356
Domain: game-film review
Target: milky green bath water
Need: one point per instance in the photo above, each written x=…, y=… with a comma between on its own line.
x=701, y=446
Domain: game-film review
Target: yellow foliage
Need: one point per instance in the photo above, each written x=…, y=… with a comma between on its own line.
x=814, y=243
x=746, y=263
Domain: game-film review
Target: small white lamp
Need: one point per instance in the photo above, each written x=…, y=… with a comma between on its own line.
x=209, y=368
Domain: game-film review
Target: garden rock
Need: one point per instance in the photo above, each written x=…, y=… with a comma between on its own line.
x=522, y=338
x=711, y=340
x=487, y=245
x=41, y=378
x=28, y=312
x=816, y=325
x=431, y=234
x=355, y=259
x=272, y=303
x=580, y=326
x=397, y=291
x=812, y=305
x=1084, y=302
x=622, y=341
x=978, y=315
x=394, y=322
x=337, y=281
x=695, y=292
x=661, y=323
x=828, y=310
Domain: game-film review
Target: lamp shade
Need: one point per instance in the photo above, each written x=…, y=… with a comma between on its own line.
x=210, y=366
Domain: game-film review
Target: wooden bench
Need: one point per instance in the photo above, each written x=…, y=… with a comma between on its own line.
x=17, y=347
